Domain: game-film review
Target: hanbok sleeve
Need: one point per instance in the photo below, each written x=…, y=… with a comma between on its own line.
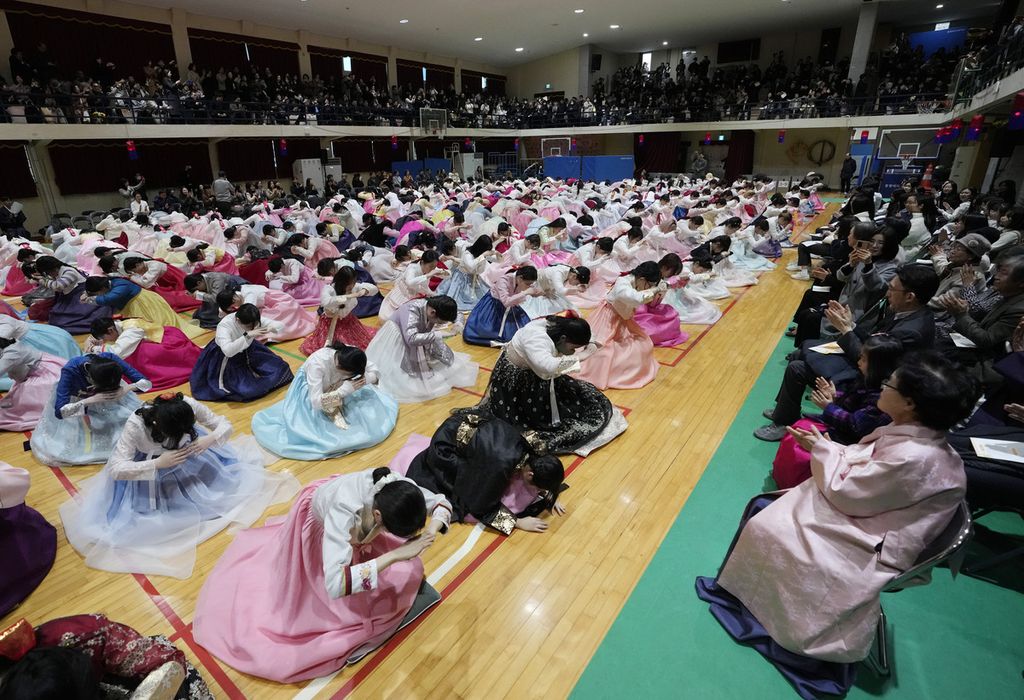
x=337, y=554
x=414, y=337
x=289, y=274
x=127, y=342
x=228, y=345
x=154, y=271
x=315, y=382
x=122, y=463
x=860, y=485
x=504, y=291
x=216, y=425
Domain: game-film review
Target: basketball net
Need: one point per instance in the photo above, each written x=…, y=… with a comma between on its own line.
x=906, y=162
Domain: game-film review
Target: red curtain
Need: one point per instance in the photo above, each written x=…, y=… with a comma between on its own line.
x=214, y=50
x=440, y=77
x=18, y=180
x=740, y=158
x=88, y=167
x=410, y=74
x=75, y=40
x=659, y=153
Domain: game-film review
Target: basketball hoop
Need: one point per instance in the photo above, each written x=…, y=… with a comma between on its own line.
x=906, y=162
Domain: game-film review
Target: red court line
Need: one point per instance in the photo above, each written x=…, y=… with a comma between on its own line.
x=181, y=630
x=469, y=391
x=686, y=351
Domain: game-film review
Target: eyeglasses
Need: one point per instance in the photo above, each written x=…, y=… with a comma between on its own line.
x=891, y=386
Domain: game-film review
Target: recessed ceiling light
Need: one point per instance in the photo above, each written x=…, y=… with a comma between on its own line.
x=664, y=43
x=613, y=26
x=479, y=38
x=939, y=6
x=585, y=34
x=579, y=12
x=403, y=21
x=520, y=49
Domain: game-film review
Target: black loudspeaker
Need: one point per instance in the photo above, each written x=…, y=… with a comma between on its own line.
x=595, y=63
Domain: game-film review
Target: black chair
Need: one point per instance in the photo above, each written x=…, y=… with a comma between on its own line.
x=96, y=217
x=975, y=569
x=60, y=220
x=947, y=547
x=83, y=223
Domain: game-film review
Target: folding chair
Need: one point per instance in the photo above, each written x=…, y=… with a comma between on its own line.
x=82, y=223
x=949, y=544
x=975, y=568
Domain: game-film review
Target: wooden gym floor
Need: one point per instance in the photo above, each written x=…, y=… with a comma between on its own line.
x=521, y=616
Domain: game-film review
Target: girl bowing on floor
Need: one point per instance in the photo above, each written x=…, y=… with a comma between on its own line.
x=172, y=482
x=332, y=407
x=236, y=365
x=338, y=322
x=497, y=317
x=350, y=546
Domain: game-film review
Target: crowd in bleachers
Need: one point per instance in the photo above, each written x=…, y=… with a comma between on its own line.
x=898, y=80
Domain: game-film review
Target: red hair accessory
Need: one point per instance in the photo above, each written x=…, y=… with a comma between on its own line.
x=17, y=640
x=168, y=396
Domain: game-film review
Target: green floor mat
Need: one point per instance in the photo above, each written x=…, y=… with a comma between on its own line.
x=951, y=639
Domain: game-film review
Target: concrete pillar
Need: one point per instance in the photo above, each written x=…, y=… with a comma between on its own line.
x=305, y=65
x=586, y=52
x=392, y=67
x=458, y=76
x=42, y=166
x=179, y=37
x=866, y=24
x=211, y=147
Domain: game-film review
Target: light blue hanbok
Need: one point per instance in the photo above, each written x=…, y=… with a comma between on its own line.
x=297, y=428
x=466, y=284
x=49, y=339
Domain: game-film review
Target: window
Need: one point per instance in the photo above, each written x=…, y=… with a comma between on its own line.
x=247, y=58
x=346, y=64
x=424, y=74
x=483, y=83
x=645, y=60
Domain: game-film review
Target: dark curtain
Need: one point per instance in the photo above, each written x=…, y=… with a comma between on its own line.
x=440, y=77
x=496, y=85
x=88, y=167
x=17, y=178
x=740, y=159
x=363, y=155
x=410, y=74
x=472, y=83
x=659, y=153
x=499, y=145
x=369, y=67
x=280, y=60
x=325, y=63
x=212, y=53
x=248, y=159
x=298, y=149
x=75, y=40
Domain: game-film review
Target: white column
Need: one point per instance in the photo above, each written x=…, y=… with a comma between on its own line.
x=179, y=37
x=458, y=76
x=866, y=24
x=305, y=63
x=392, y=67
x=6, y=44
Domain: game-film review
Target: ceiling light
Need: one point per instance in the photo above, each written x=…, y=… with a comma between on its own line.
x=403, y=21
x=613, y=26
x=520, y=49
x=579, y=12
x=479, y=38
x=664, y=43
x=939, y=6
x=585, y=34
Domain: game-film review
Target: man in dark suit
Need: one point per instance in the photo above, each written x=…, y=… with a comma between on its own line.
x=903, y=314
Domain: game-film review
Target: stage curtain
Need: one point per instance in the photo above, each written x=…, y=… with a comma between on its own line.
x=88, y=167
x=410, y=74
x=440, y=77
x=248, y=159
x=659, y=153
x=75, y=40
x=740, y=158
x=17, y=179
x=214, y=50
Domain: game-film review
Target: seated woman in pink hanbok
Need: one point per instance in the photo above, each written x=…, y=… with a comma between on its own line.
x=415, y=282
x=659, y=318
x=35, y=375
x=311, y=249
x=293, y=278
x=691, y=307
x=551, y=236
x=282, y=316
x=630, y=250
x=164, y=353
x=625, y=359
x=296, y=598
x=338, y=322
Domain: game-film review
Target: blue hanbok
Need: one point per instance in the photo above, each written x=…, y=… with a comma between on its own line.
x=133, y=517
x=497, y=317
x=89, y=436
x=466, y=284
x=299, y=428
x=40, y=336
x=369, y=305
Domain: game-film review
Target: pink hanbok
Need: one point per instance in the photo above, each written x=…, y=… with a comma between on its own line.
x=35, y=376
x=661, y=322
x=294, y=599
x=279, y=312
x=297, y=281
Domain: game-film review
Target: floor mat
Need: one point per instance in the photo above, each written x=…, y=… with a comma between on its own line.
x=952, y=638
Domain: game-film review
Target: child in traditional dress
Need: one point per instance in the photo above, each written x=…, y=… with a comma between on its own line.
x=293, y=278
x=280, y=314
x=66, y=310
x=555, y=284
x=354, y=573
x=236, y=365
x=625, y=359
x=496, y=317
x=465, y=285
x=333, y=407
x=164, y=353
x=659, y=319
x=338, y=322
x=414, y=362
x=172, y=482
x=35, y=375
x=415, y=282
x=87, y=410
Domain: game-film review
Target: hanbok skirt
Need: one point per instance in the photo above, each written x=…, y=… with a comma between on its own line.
x=589, y=298
x=294, y=429
x=46, y=339
x=84, y=439
x=565, y=412
x=551, y=257
x=74, y=315
x=247, y=376
x=387, y=351
x=692, y=308
x=768, y=247
x=348, y=329
x=226, y=264
x=15, y=285
x=255, y=272
x=709, y=289
x=466, y=290
x=171, y=286
x=151, y=307
x=661, y=323
x=626, y=360
x=547, y=305
x=281, y=309
x=398, y=295
x=22, y=406
x=153, y=526
x=367, y=306
x=168, y=363
x=490, y=321
x=306, y=291
x=28, y=547
x=264, y=609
